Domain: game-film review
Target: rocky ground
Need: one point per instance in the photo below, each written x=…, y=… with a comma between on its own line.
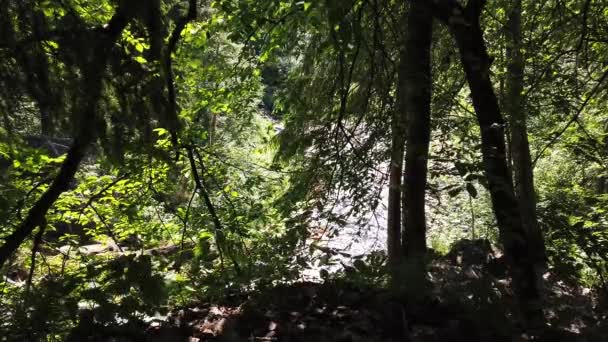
x=470, y=300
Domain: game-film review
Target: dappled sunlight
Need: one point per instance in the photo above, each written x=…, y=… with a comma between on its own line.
x=274, y=170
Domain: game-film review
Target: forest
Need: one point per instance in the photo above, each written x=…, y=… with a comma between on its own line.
x=303, y=170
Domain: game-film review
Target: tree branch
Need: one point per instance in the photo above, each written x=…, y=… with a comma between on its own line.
x=92, y=81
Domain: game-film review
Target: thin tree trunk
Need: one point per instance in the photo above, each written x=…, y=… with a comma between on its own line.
x=520, y=149
x=417, y=91
x=602, y=181
x=396, y=168
x=220, y=236
x=394, y=203
x=465, y=26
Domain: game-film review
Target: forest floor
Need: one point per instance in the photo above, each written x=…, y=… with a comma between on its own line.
x=470, y=301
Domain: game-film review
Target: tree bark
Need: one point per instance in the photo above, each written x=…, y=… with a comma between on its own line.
x=396, y=168
x=93, y=73
x=417, y=93
x=394, y=202
x=602, y=181
x=466, y=29
x=520, y=148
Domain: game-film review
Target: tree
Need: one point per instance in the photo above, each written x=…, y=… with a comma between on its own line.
x=514, y=108
x=398, y=138
x=92, y=83
x=151, y=156
x=464, y=23
x=417, y=82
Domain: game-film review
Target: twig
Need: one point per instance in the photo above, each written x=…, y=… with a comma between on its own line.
x=185, y=223
x=21, y=202
x=109, y=230
x=572, y=120
x=100, y=193
x=37, y=241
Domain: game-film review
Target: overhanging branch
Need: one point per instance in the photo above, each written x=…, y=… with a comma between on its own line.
x=92, y=81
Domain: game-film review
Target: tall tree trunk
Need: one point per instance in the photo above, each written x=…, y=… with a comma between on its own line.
x=417, y=93
x=520, y=150
x=465, y=26
x=396, y=168
x=394, y=201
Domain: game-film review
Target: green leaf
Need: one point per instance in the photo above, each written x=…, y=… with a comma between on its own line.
x=52, y=44
x=360, y=265
x=160, y=131
x=324, y=274
x=454, y=192
x=471, y=190
x=141, y=60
